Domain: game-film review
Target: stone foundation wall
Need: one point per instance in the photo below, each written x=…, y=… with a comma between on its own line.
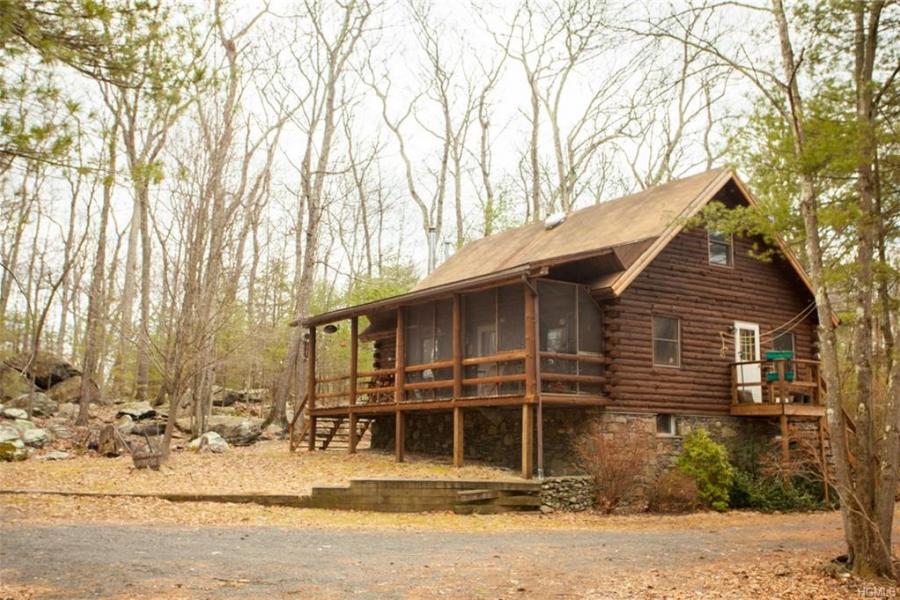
x=570, y=494
x=493, y=435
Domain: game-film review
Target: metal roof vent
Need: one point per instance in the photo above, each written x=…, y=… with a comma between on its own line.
x=554, y=220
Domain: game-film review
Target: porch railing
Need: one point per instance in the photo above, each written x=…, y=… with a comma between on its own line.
x=793, y=380
x=434, y=381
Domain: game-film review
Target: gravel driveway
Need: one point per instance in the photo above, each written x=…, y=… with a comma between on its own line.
x=112, y=560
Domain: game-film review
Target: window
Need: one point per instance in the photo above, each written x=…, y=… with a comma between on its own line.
x=783, y=342
x=666, y=425
x=666, y=342
x=720, y=249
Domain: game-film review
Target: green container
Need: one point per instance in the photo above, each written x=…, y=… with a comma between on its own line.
x=779, y=355
x=773, y=376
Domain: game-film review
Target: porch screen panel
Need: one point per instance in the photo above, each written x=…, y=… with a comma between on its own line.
x=428, y=339
x=419, y=343
x=511, y=325
x=557, y=306
x=443, y=350
x=480, y=339
x=590, y=340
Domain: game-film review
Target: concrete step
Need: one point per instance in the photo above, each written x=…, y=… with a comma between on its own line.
x=477, y=495
x=424, y=495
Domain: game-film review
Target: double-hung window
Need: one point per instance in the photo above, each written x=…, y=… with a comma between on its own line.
x=666, y=341
x=721, y=249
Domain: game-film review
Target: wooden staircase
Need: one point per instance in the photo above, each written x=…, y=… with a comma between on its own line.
x=427, y=495
x=333, y=433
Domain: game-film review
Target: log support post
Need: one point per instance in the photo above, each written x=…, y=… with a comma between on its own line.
x=458, y=436
x=458, y=423
x=399, y=436
x=527, y=440
x=457, y=348
x=311, y=387
x=785, y=442
x=531, y=352
x=399, y=385
x=354, y=366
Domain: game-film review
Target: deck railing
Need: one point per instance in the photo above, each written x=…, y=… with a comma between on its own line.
x=566, y=373
x=780, y=381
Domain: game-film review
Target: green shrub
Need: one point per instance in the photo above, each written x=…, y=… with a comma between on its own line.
x=761, y=483
x=707, y=463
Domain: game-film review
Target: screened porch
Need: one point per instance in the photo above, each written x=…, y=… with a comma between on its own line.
x=490, y=347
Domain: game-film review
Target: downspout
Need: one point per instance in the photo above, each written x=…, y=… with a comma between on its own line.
x=537, y=376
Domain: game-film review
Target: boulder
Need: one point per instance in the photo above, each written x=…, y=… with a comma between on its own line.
x=70, y=391
x=137, y=410
x=125, y=424
x=23, y=425
x=13, y=450
x=68, y=410
x=45, y=369
x=8, y=433
x=149, y=428
x=209, y=442
x=15, y=413
x=36, y=438
x=238, y=431
x=54, y=455
x=228, y=396
x=41, y=405
x=12, y=383
x=61, y=432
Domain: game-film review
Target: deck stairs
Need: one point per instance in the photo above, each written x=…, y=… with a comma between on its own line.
x=426, y=495
x=333, y=433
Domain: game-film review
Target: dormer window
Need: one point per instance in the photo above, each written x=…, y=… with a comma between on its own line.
x=721, y=251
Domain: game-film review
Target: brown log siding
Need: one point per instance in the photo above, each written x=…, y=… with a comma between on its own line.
x=680, y=282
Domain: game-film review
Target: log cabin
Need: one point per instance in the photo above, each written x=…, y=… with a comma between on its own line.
x=623, y=316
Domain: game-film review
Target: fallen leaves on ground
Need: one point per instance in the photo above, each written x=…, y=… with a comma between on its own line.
x=266, y=467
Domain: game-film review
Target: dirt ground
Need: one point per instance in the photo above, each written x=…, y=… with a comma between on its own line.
x=64, y=547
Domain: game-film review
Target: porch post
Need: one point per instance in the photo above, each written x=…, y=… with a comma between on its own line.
x=527, y=440
x=531, y=390
x=785, y=447
x=354, y=360
x=399, y=436
x=458, y=436
x=532, y=381
x=457, y=348
x=311, y=387
x=458, y=423
x=399, y=383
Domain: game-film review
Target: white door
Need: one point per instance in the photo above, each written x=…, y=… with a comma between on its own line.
x=746, y=348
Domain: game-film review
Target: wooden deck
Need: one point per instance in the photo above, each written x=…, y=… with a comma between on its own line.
x=768, y=409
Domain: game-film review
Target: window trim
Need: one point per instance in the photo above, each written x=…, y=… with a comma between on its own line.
x=730, y=245
x=653, y=338
x=673, y=426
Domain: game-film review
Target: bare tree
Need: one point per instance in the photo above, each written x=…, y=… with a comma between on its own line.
x=334, y=38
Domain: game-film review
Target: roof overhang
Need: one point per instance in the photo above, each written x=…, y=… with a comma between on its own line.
x=614, y=285
x=490, y=280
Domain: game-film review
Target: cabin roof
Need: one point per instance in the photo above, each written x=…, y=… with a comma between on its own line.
x=623, y=221
x=632, y=229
